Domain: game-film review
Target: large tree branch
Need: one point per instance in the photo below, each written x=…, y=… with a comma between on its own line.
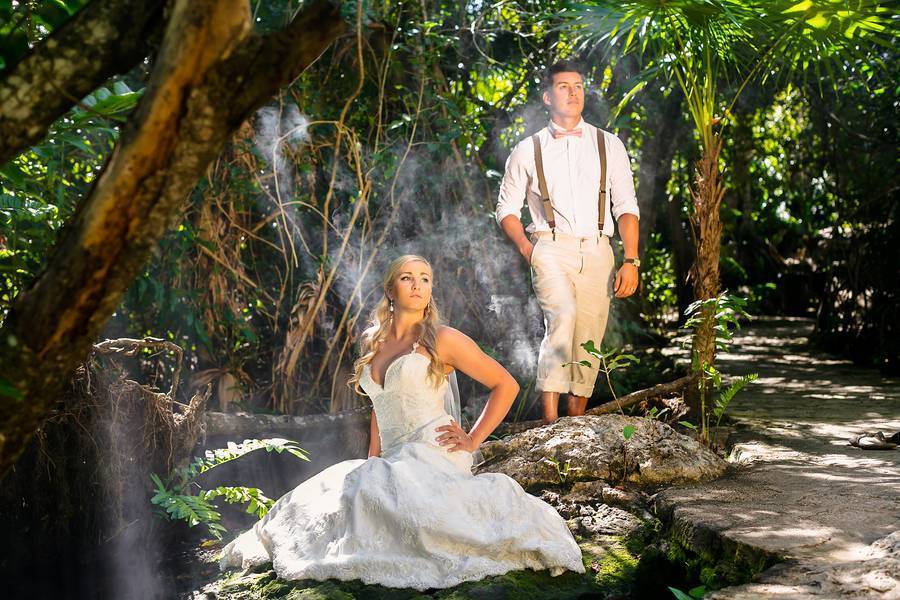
x=209, y=77
x=662, y=389
x=104, y=38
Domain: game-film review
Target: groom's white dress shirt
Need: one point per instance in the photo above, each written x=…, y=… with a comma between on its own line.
x=572, y=172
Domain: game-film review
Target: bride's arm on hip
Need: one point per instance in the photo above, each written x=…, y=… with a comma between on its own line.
x=459, y=351
x=374, y=437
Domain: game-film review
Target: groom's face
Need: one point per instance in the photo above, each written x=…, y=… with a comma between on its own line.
x=565, y=98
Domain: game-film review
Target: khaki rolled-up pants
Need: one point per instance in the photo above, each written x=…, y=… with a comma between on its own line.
x=572, y=279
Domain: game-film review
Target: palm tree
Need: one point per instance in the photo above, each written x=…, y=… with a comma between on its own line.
x=711, y=48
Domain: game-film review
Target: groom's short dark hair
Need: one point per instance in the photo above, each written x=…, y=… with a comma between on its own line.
x=560, y=66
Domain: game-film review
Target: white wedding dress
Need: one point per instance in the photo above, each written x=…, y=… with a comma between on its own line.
x=415, y=517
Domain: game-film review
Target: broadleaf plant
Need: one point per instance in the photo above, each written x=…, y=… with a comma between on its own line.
x=181, y=498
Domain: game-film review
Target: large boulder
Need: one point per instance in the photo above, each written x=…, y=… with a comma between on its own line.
x=594, y=447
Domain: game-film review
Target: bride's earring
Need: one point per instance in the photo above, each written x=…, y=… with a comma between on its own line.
x=391, y=308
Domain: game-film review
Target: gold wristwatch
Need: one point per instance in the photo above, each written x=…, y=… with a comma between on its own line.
x=634, y=261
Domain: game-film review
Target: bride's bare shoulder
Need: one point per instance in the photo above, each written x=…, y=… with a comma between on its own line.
x=447, y=334
x=449, y=340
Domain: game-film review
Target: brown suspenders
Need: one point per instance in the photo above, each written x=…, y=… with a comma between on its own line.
x=601, y=212
x=542, y=183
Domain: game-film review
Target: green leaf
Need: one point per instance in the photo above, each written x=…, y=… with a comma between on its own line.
x=13, y=46
x=108, y=105
x=799, y=7
x=120, y=88
x=819, y=21
x=679, y=594
x=627, y=98
x=628, y=431
x=12, y=172
x=590, y=348
x=158, y=482
x=688, y=424
x=728, y=394
x=52, y=13
x=10, y=391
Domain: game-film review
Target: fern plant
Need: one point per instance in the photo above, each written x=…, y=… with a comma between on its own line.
x=181, y=498
x=713, y=378
x=726, y=311
x=729, y=393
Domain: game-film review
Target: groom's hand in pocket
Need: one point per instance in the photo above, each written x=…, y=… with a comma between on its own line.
x=526, y=250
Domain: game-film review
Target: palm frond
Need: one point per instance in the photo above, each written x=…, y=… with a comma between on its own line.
x=698, y=42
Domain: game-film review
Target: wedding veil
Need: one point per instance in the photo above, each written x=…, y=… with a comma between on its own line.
x=452, y=407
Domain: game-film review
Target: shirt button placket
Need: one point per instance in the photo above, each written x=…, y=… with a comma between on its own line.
x=572, y=199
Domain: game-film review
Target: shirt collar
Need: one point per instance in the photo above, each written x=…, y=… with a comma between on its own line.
x=553, y=127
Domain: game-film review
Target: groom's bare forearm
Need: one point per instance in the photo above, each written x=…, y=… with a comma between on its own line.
x=629, y=231
x=512, y=227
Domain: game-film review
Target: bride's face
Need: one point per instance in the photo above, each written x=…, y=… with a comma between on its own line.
x=412, y=286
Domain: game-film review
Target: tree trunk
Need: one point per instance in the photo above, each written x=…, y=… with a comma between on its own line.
x=104, y=38
x=209, y=76
x=707, y=226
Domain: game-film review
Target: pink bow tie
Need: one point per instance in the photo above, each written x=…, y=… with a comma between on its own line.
x=560, y=133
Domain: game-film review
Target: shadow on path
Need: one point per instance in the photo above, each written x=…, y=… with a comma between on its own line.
x=799, y=490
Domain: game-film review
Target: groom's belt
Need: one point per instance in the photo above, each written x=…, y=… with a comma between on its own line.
x=536, y=235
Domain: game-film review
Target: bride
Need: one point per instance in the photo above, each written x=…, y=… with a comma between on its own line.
x=412, y=515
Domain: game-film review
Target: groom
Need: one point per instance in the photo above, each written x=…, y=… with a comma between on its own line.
x=575, y=178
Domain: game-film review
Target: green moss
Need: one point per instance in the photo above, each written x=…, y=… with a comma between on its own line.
x=719, y=563
x=521, y=585
x=322, y=591
x=617, y=568
x=239, y=583
x=611, y=565
x=524, y=585
x=269, y=586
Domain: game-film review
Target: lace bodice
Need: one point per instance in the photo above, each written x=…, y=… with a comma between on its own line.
x=408, y=406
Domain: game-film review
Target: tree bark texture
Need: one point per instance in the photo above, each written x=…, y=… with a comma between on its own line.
x=707, y=226
x=211, y=73
x=104, y=38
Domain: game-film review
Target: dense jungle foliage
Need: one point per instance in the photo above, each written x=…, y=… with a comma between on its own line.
x=395, y=142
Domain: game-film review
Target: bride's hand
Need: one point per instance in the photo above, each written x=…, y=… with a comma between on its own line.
x=456, y=438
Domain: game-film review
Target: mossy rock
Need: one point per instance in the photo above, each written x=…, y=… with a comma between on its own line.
x=609, y=571
x=714, y=560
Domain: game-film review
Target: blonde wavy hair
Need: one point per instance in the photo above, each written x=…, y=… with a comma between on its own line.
x=380, y=324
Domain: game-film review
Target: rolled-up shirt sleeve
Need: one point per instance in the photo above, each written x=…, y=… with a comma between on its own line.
x=514, y=186
x=621, y=181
